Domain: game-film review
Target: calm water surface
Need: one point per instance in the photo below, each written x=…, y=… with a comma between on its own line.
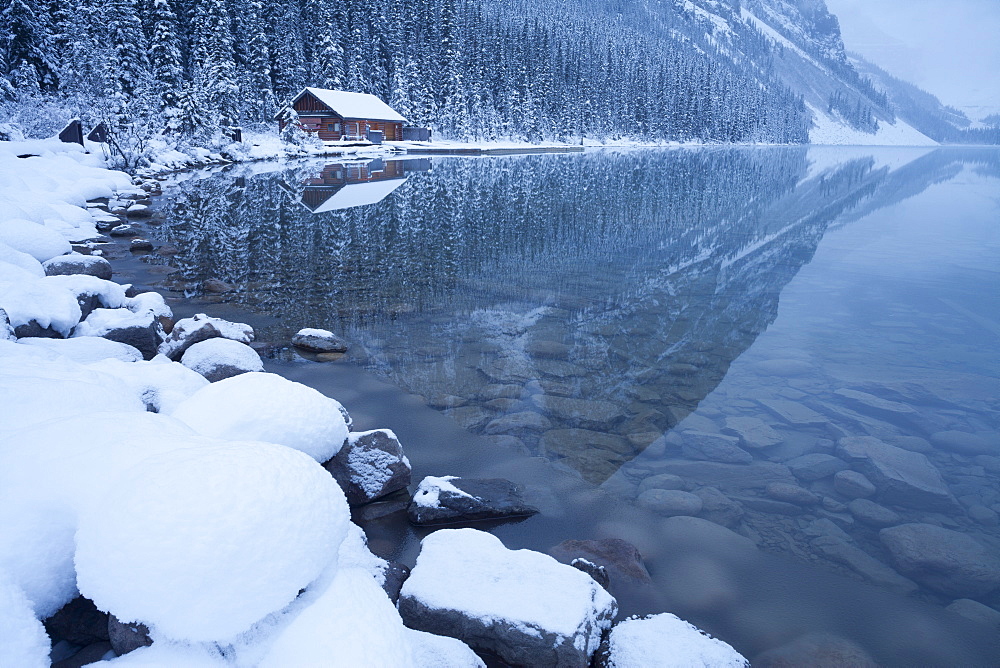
x=599, y=325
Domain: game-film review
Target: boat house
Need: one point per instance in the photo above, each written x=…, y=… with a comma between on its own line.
x=337, y=115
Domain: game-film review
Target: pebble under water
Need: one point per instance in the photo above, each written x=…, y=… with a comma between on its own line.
x=798, y=345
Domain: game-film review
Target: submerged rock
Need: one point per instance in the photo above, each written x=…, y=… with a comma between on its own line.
x=714, y=447
x=816, y=650
x=452, y=499
x=976, y=611
x=872, y=514
x=902, y=477
x=815, y=466
x=620, y=557
x=946, y=561
x=964, y=443
x=670, y=502
x=753, y=432
x=853, y=485
x=369, y=466
x=523, y=606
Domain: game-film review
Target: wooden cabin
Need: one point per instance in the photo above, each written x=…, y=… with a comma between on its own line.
x=337, y=115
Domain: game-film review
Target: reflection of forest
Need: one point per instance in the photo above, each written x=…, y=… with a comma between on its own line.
x=573, y=305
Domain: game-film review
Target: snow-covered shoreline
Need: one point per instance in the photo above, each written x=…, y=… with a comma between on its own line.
x=197, y=514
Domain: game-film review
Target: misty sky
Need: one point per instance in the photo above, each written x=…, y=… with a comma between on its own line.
x=948, y=47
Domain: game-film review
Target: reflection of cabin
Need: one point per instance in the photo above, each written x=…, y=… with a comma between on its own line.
x=343, y=185
x=336, y=115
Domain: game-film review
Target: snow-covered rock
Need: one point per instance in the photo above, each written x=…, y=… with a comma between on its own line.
x=370, y=465
x=38, y=308
x=201, y=327
x=86, y=349
x=22, y=260
x=267, y=407
x=6, y=329
x=36, y=240
x=352, y=623
x=439, y=500
x=318, y=341
x=431, y=651
x=667, y=641
x=217, y=359
x=151, y=302
x=23, y=642
x=160, y=384
x=168, y=655
x=201, y=543
x=522, y=605
x=75, y=263
x=127, y=637
x=140, y=330
x=90, y=292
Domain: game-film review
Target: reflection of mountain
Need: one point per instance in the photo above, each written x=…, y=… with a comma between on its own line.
x=356, y=183
x=576, y=306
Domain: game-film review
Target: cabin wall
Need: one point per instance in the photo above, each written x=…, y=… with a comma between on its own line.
x=315, y=117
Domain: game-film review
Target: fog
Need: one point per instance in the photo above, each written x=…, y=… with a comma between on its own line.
x=948, y=47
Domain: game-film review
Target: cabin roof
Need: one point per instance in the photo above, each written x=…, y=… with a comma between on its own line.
x=353, y=105
x=359, y=194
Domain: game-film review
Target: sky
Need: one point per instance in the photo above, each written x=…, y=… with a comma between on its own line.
x=948, y=47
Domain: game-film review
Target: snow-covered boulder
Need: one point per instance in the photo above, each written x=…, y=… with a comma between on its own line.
x=267, y=407
x=318, y=341
x=666, y=641
x=37, y=308
x=352, y=623
x=168, y=655
x=201, y=543
x=150, y=302
x=218, y=359
x=23, y=642
x=139, y=330
x=75, y=263
x=22, y=260
x=201, y=327
x=431, y=651
x=160, y=384
x=86, y=349
x=36, y=240
x=370, y=465
x=439, y=500
x=522, y=605
x=127, y=637
x=90, y=292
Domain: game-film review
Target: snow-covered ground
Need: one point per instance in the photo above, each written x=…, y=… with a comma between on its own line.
x=830, y=131
x=201, y=509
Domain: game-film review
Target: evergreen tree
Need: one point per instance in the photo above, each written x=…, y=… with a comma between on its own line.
x=26, y=36
x=164, y=50
x=212, y=50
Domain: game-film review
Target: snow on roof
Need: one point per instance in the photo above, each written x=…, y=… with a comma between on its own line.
x=355, y=105
x=359, y=194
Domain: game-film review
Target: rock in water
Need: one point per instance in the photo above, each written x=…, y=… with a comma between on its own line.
x=946, y=561
x=902, y=477
x=369, y=466
x=670, y=502
x=620, y=557
x=521, y=605
x=218, y=359
x=91, y=265
x=976, y=611
x=853, y=485
x=319, y=341
x=665, y=640
x=451, y=499
x=714, y=447
x=201, y=327
x=964, y=443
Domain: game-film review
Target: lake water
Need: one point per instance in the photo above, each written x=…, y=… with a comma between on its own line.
x=610, y=327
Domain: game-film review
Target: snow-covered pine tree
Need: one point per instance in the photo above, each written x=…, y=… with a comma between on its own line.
x=165, y=54
x=26, y=35
x=212, y=52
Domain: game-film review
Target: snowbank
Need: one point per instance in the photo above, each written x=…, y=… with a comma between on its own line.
x=23, y=642
x=267, y=407
x=201, y=543
x=830, y=131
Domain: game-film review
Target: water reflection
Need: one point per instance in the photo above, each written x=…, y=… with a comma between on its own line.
x=611, y=312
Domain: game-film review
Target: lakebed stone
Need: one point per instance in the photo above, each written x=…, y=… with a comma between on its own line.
x=584, y=412
x=728, y=477
x=964, y=443
x=946, y=561
x=714, y=447
x=670, y=502
x=902, y=477
x=620, y=557
x=976, y=611
x=816, y=650
x=839, y=549
x=870, y=513
x=753, y=432
x=815, y=466
x=782, y=491
x=853, y=485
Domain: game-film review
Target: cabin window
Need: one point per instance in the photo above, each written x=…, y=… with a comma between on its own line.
x=336, y=127
x=330, y=127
